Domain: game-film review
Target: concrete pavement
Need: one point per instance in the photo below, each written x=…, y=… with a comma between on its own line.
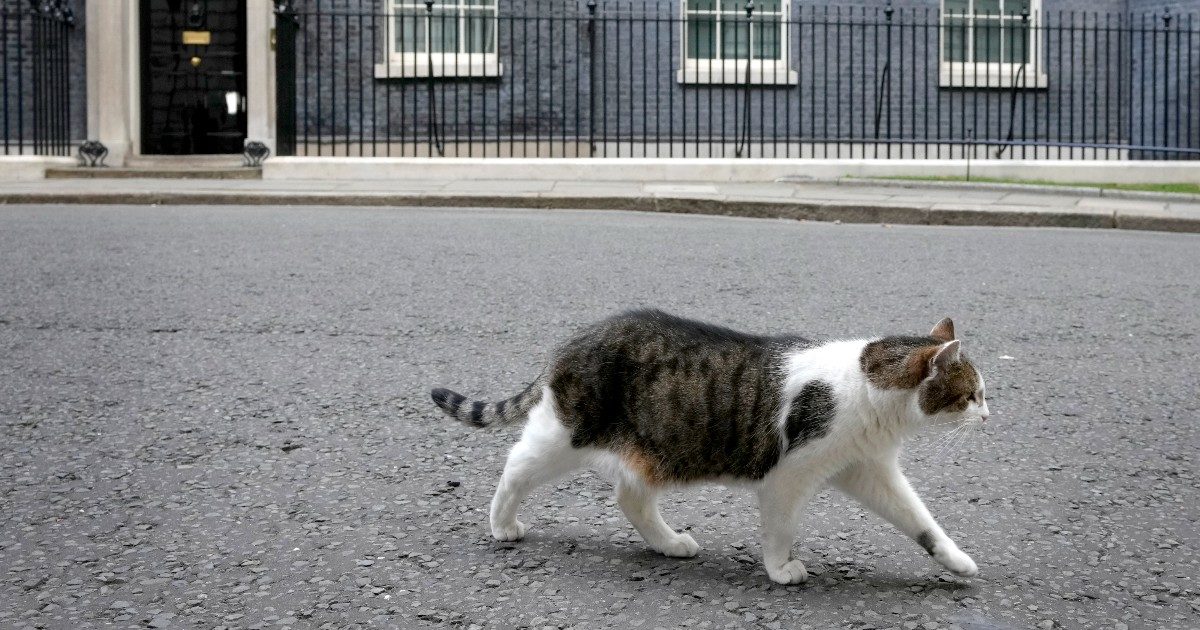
x=849, y=202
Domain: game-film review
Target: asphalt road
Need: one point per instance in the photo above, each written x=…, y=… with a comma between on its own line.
x=218, y=417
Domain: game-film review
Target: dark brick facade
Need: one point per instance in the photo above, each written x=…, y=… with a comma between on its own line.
x=560, y=84
x=1116, y=73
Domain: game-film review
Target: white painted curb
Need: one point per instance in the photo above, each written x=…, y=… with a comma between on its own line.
x=722, y=170
x=22, y=168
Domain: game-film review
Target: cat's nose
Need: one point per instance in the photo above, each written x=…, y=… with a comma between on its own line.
x=983, y=418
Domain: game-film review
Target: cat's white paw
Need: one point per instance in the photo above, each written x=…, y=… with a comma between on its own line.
x=681, y=546
x=792, y=572
x=957, y=562
x=510, y=532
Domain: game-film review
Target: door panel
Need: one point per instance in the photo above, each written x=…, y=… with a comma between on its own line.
x=193, y=76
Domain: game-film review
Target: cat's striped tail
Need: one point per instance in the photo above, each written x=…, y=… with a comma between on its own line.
x=482, y=414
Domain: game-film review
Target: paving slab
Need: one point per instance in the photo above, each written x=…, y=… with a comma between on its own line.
x=1050, y=198
x=493, y=186
x=680, y=189
x=937, y=194
x=1122, y=205
x=592, y=188
x=757, y=190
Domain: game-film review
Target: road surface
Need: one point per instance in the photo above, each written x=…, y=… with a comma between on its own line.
x=218, y=417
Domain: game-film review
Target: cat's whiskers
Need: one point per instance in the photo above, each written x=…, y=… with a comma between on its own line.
x=956, y=440
x=954, y=425
x=938, y=445
x=967, y=438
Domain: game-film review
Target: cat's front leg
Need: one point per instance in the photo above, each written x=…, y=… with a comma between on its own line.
x=780, y=503
x=882, y=487
x=949, y=555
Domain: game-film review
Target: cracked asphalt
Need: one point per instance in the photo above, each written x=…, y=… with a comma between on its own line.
x=217, y=417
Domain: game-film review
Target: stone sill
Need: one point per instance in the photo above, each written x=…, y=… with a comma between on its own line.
x=420, y=70
x=736, y=76
x=993, y=81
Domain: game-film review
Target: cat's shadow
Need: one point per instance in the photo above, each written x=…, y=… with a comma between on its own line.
x=638, y=563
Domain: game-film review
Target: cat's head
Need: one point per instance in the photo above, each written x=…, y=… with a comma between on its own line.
x=946, y=386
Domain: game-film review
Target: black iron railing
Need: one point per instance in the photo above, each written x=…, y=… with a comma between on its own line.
x=35, y=77
x=576, y=78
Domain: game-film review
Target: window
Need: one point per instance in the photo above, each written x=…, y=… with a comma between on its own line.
x=991, y=43
x=458, y=39
x=720, y=45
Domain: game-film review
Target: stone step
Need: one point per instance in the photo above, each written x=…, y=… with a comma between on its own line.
x=149, y=172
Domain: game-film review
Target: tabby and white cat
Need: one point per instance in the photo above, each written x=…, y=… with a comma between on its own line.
x=656, y=401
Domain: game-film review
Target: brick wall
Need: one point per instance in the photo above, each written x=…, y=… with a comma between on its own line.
x=560, y=86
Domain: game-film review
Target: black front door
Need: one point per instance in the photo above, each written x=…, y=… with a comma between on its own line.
x=193, y=76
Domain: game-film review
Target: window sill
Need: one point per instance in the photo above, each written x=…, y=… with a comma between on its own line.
x=420, y=69
x=728, y=75
x=994, y=81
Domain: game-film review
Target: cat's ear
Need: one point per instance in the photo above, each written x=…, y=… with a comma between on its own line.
x=944, y=331
x=946, y=356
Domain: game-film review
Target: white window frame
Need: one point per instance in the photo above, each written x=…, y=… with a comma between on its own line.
x=1006, y=75
x=399, y=64
x=733, y=71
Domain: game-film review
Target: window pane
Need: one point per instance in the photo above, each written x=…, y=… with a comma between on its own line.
x=954, y=39
x=1014, y=7
x=702, y=37
x=735, y=39
x=957, y=7
x=410, y=31
x=734, y=6
x=443, y=33
x=702, y=5
x=767, y=38
x=479, y=36
x=766, y=6
x=987, y=7
x=1016, y=42
x=987, y=40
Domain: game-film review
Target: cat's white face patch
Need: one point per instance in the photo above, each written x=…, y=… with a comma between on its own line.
x=982, y=407
x=977, y=407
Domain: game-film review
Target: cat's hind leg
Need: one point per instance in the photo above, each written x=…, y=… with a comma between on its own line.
x=543, y=454
x=780, y=501
x=639, y=502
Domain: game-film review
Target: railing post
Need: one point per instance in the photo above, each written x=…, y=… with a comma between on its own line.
x=591, y=29
x=1017, y=81
x=884, y=78
x=39, y=49
x=887, y=12
x=286, y=27
x=743, y=144
x=1166, y=96
x=434, y=135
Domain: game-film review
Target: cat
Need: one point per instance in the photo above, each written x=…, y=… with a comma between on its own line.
x=657, y=401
